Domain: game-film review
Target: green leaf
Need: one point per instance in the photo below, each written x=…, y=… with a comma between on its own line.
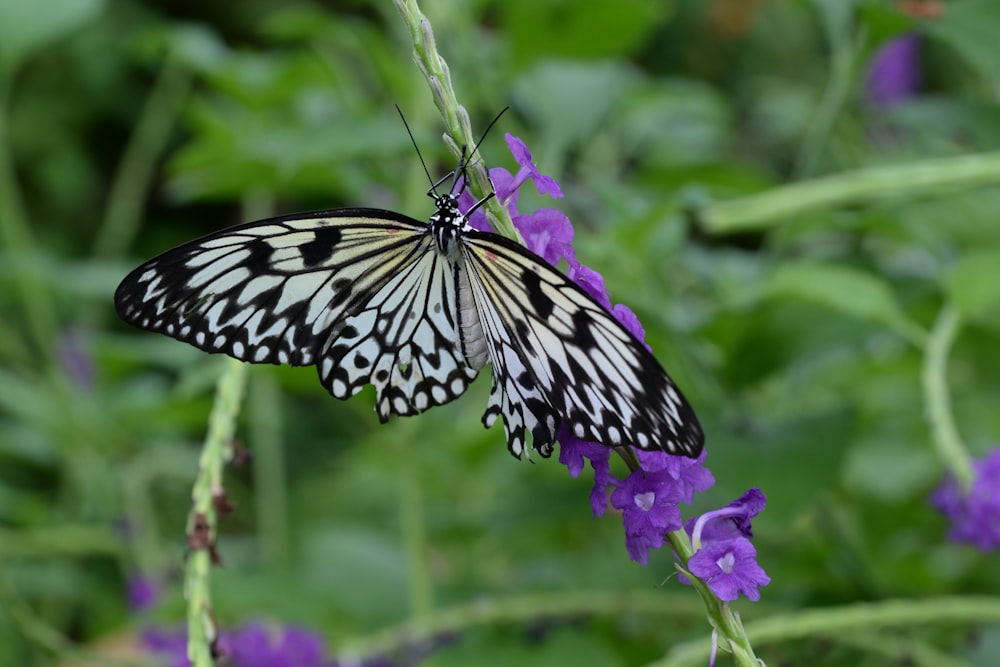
x=27, y=26
x=974, y=282
x=970, y=28
x=582, y=29
x=850, y=291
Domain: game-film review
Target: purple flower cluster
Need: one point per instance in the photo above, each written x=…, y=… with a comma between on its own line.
x=143, y=593
x=258, y=645
x=974, y=512
x=725, y=559
x=894, y=71
x=253, y=645
x=648, y=498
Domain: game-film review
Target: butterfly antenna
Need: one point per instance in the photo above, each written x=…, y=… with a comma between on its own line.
x=487, y=130
x=417, y=148
x=471, y=161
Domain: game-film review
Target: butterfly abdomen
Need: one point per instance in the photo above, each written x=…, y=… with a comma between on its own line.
x=470, y=328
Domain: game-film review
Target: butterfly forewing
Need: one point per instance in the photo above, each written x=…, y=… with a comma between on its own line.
x=561, y=353
x=355, y=291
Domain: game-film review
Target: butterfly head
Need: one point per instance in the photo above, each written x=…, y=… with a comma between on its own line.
x=447, y=213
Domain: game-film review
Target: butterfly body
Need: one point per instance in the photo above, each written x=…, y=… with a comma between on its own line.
x=416, y=309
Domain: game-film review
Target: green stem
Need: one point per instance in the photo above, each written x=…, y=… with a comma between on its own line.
x=916, y=179
x=207, y=491
x=459, y=137
x=63, y=540
x=500, y=611
x=937, y=399
x=845, y=622
x=874, y=616
x=138, y=164
x=733, y=638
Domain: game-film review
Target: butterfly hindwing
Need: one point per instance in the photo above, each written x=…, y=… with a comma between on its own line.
x=404, y=340
x=302, y=289
x=561, y=353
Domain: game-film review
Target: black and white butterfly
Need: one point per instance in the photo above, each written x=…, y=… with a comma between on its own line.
x=416, y=309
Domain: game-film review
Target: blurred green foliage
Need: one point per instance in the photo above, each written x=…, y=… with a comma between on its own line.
x=129, y=127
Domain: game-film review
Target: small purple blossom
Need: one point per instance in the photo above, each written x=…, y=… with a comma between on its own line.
x=591, y=281
x=725, y=557
x=76, y=358
x=573, y=451
x=253, y=645
x=169, y=645
x=548, y=233
x=257, y=645
x=974, y=513
x=894, y=71
x=545, y=185
x=728, y=522
x=628, y=319
x=648, y=501
x=729, y=568
x=143, y=593
x=688, y=475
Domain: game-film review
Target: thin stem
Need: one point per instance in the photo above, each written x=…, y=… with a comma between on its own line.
x=208, y=495
x=460, y=135
x=498, y=611
x=720, y=614
x=845, y=622
x=203, y=519
x=915, y=179
x=937, y=399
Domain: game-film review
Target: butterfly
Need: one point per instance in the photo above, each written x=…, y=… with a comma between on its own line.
x=417, y=309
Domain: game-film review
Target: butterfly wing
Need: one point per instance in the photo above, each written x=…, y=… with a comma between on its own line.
x=560, y=358
x=357, y=292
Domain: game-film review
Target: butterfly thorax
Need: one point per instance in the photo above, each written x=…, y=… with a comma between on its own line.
x=446, y=225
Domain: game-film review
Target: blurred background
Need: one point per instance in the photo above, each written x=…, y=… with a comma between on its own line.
x=128, y=127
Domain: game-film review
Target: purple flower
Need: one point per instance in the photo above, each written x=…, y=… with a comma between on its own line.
x=725, y=557
x=169, y=645
x=501, y=180
x=76, y=358
x=974, y=513
x=688, y=475
x=628, y=319
x=648, y=501
x=257, y=645
x=573, y=451
x=729, y=568
x=728, y=522
x=591, y=281
x=894, y=71
x=253, y=645
x=545, y=185
x=548, y=233
x=143, y=593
